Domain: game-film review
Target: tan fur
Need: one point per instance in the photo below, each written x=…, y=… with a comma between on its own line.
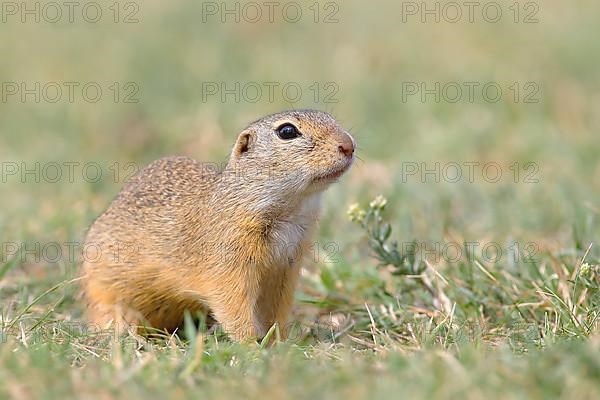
x=183, y=236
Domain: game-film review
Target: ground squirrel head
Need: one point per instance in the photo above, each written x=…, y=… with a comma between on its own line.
x=297, y=152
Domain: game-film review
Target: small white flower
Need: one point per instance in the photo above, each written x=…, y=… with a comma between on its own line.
x=586, y=270
x=378, y=202
x=356, y=213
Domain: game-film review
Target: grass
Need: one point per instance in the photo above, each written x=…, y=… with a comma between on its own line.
x=470, y=329
x=436, y=289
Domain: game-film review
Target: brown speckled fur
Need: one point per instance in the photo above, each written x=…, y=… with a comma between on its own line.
x=182, y=236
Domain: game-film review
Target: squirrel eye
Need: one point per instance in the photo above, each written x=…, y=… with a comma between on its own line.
x=287, y=132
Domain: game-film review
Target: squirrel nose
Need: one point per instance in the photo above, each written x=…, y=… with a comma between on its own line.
x=346, y=145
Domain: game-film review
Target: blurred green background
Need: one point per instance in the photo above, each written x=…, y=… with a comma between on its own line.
x=367, y=58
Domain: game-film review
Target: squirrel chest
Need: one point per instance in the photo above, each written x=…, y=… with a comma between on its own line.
x=288, y=234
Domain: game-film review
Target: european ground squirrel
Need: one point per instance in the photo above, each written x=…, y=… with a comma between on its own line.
x=183, y=235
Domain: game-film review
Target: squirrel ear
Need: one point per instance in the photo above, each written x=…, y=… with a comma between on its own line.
x=243, y=143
